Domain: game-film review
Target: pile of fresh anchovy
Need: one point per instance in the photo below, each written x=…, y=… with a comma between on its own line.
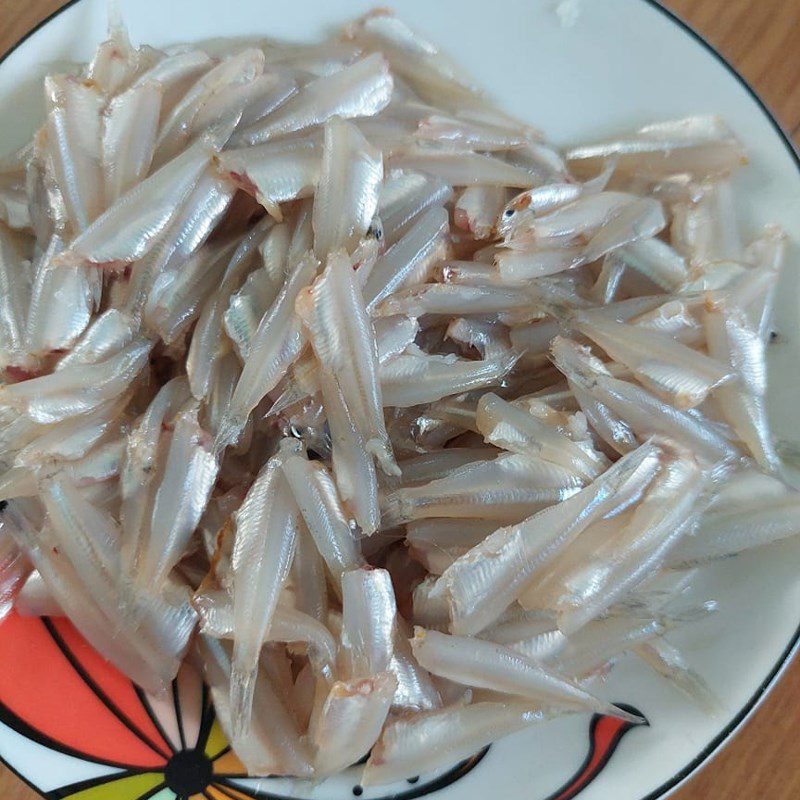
x=323, y=373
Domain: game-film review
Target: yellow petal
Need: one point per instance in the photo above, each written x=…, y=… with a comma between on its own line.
x=216, y=741
x=130, y=788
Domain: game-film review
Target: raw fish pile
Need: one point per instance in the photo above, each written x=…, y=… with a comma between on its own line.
x=325, y=374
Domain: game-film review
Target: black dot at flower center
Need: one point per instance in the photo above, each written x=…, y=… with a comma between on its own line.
x=188, y=772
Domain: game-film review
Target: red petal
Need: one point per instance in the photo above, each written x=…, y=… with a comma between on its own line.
x=119, y=691
x=45, y=695
x=604, y=737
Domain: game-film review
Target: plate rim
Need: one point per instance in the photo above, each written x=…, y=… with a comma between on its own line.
x=734, y=727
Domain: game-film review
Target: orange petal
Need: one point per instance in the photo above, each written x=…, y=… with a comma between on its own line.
x=229, y=764
x=233, y=794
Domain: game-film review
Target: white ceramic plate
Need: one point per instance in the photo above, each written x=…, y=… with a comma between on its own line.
x=624, y=62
